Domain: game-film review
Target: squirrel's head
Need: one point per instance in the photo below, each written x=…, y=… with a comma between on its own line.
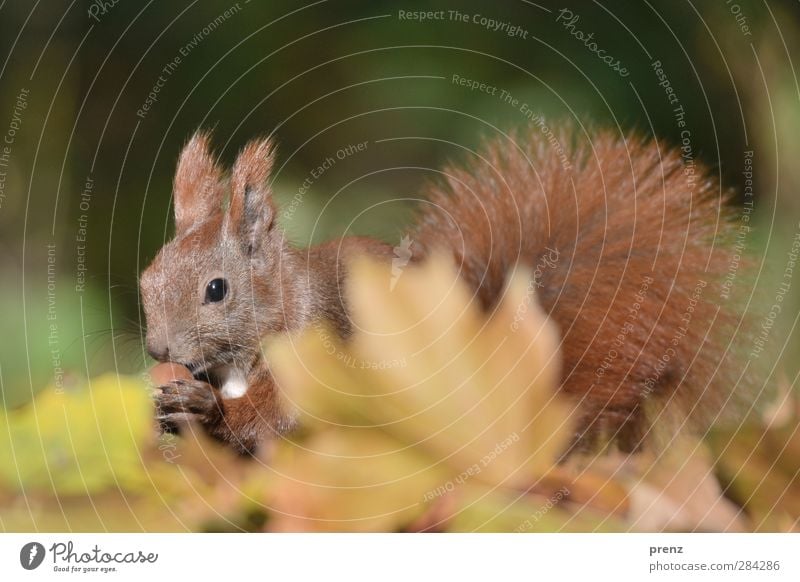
x=211, y=292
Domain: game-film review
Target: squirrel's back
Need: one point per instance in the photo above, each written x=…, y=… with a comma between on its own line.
x=629, y=244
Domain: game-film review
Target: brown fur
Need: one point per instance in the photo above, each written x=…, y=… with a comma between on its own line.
x=621, y=214
x=273, y=287
x=196, y=183
x=617, y=213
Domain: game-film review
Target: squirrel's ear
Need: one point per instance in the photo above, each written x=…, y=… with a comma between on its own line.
x=252, y=213
x=196, y=188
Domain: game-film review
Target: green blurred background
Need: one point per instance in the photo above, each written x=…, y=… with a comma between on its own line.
x=75, y=78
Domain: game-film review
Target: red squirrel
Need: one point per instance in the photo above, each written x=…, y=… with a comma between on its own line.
x=636, y=243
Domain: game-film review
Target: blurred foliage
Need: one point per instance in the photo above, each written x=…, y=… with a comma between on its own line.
x=445, y=443
x=322, y=76
x=61, y=339
x=89, y=460
x=84, y=164
x=65, y=441
x=426, y=392
x=758, y=465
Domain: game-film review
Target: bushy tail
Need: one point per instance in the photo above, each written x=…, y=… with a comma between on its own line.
x=630, y=245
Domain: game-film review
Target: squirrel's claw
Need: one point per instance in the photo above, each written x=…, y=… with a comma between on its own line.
x=181, y=401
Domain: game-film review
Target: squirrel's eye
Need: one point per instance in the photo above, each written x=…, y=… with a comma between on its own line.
x=216, y=290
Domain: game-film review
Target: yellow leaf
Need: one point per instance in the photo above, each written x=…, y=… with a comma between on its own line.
x=77, y=441
x=349, y=481
x=474, y=393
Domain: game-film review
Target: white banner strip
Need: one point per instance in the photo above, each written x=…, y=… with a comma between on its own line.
x=401, y=557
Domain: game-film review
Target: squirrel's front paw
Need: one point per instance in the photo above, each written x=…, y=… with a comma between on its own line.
x=180, y=401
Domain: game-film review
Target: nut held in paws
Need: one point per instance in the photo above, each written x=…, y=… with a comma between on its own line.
x=167, y=372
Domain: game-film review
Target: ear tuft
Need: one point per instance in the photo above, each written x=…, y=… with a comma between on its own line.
x=196, y=188
x=251, y=213
x=253, y=165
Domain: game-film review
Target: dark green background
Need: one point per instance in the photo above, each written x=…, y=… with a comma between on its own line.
x=321, y=77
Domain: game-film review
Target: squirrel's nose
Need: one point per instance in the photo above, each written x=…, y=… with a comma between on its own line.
x=157, y=352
